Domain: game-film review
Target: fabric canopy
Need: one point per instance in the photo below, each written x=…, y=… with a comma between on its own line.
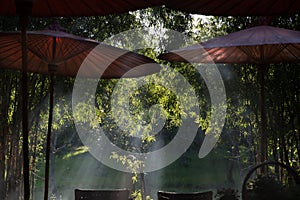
x=236, y=7
x=70, y=52
x=50, y=8
x=256, y=45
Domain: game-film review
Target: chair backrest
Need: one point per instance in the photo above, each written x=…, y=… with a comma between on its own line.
x=115, y=194
x=164, y=195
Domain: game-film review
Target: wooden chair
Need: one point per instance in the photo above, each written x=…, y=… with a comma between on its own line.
x=163, y=195
x=115, y=194
x=290, y=171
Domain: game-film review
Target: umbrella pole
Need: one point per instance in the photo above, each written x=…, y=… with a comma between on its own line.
x=24, y=21
x=263, y=142
x=143, y=186
x=51, y=70
x=48, y=145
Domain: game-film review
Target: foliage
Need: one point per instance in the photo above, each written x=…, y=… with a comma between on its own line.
x=137, y=195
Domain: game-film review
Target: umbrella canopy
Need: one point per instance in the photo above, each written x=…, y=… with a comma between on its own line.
x=236, y=7
x=260, y=45
x=56, y=52
x=67, y=52
x=256, y=45
x=47, y=8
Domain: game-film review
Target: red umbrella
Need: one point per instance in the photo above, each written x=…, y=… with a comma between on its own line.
x=64, y=53
x=59, y=53
x=43, y=8
x=257, y=45
x=260, y=45
x=236, y=7
x=47, y=8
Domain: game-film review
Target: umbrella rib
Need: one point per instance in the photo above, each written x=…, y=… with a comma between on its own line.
x=220, y=7
x=9, y=55
x=41, y=66
x=15, y=61
x=282, y=47
x=273, y=4
x=5, y=43
x=124, y=4
x=126, y=67
x=70, y=8
x=279, y=50
x=254, y=60
x=88, y=6
x=10, y=47
x=32, y=58
x=298, y=58
x=291, y=6
x=66, y=49
x=93, y=60
x=72, y=55
x=235, y=51
x=34, y=47
x=64, y=45
x=38, y=55
x=132, y=5
x=73, y=47
x=49, y=6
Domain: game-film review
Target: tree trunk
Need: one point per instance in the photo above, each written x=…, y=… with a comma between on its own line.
x=32, y=168
x=6, y=87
